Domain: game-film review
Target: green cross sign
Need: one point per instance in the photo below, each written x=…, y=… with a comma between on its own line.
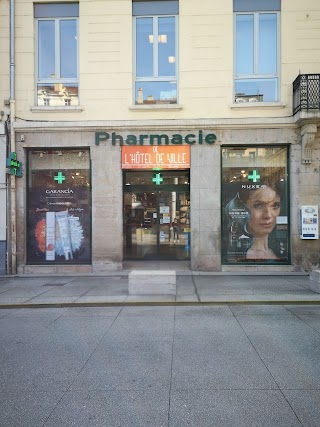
x=254, y=175
x=13, y=165
x=157, y=179
x=59, y=178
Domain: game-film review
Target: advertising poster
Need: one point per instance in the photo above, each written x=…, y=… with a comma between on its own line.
x=59, y=219
x=255, y=222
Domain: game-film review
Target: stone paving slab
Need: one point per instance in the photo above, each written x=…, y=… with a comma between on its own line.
x=171, y=366
x=68, y=291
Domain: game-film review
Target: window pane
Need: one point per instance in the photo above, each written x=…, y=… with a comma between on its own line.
x=58, y=95
x=144, y=47
x=255, y=208
x=156, y=92
x=245, y=46
x=267, y=43
x=251, y=90
x=59, y=207
x=68, y=48
x=46, y=49
x=166, y=47
x=56, y=10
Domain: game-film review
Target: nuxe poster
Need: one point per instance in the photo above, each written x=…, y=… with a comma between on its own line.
x=255, y=223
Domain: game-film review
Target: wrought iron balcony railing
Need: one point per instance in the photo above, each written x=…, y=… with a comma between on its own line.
x=306, y=92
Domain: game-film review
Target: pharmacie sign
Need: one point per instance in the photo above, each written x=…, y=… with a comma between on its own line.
x=156, y=138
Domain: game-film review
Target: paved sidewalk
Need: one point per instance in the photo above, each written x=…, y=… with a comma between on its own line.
x=192, y=288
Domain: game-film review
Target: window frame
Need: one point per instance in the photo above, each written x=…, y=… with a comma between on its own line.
x=57, y=59
x=155, y=78
x=256, y=76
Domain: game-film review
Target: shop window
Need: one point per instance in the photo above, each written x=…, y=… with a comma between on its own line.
x=59, y=207
x=257, y=50
x=155, y=25
x=255, y=208
x=57, y=53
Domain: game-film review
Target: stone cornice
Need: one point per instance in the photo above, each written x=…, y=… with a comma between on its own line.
x=144, y=125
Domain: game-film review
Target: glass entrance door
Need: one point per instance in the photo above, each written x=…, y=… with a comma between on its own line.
x=157, y=221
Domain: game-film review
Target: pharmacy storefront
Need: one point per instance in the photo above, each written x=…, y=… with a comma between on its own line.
x=191, y=196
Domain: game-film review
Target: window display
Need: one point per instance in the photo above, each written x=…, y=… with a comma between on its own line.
x=255, y=213
x=59, y=207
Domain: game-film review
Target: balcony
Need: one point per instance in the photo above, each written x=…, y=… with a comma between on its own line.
x=306, y=98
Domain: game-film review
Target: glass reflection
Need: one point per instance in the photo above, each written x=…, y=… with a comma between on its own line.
x=46, y=49
x=58, y=95
x=68, y=48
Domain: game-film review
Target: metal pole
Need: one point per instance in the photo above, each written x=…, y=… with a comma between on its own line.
x=13, y=232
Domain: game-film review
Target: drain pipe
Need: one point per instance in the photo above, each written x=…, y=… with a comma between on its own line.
x=12, y=204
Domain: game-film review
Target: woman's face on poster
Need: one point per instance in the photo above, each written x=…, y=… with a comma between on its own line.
x=264, y=206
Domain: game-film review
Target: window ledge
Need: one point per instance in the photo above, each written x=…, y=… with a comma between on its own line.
x=67, y=109
x=258, y=105
x=154, y=107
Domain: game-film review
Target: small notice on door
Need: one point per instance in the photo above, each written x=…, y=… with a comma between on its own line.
x=162, y=236
x=164, y=209
x=166, y=218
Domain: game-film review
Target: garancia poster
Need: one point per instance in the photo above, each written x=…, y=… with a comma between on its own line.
x=59, y=225
x=255, y=223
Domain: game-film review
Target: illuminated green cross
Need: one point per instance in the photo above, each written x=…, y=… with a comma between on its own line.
x=157, y=179
x=254, y=175
x=59, y=178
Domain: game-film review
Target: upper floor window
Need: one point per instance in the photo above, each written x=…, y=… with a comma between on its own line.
x=155, y=24
x=257, y=50
x=57, y=53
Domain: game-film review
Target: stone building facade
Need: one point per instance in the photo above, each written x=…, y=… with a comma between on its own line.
x=109, y=168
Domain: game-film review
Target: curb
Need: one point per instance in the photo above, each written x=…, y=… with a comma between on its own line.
x=156, y=303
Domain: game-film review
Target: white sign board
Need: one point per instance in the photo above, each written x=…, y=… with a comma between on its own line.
x=309, y=222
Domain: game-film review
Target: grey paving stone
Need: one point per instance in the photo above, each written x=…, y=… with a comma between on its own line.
x=19, y=292
x=6, y=311
x=16, y=332
x=150, y=298
x=312, y=320
x=48, y=314
x=26, y=409
x=259, y=309
x=203, y=310
x=136, y=353
x=307, y=309
x=113, y=408
x=107, y=290
x=64, y=291
x=289, y=348
x=101, y=299
x=92, y=312
x=43, y=299
x=73, y=329
x=11, y=301
x=127, y=366
x=306, y=404
x=214, y=352
x=230, y=408
x=147, y=311
x=43, y=373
